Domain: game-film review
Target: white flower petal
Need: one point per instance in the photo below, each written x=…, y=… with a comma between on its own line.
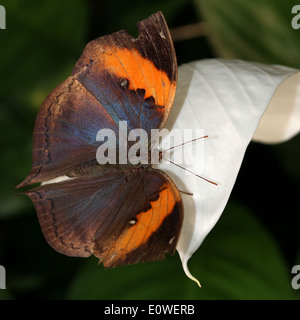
x=281, y=121
x=225, y=98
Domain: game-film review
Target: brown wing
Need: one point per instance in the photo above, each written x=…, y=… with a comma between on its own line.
x=117, y=78
x=121, y=219
x=152, y=230
x=145, y=67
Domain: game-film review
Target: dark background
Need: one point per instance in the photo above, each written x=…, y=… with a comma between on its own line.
x=250, y=252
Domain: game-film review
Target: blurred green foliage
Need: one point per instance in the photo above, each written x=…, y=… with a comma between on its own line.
x=230, y=264
x=258, y=30
x=250, y=252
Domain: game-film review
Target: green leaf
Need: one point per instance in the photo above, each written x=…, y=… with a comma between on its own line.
x=243, y=260
x=289, y=154
x=5, y=295
x=39, y=39
x=41, y=43
x=239, y=260
x=118, y=14
x=258, y=30
x=15, y=161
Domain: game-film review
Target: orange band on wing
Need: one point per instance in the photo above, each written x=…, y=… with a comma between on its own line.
x=146, y=224
x=141, y=74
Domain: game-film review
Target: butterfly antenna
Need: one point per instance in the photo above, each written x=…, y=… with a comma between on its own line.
x=180, y=145
x=197, y=175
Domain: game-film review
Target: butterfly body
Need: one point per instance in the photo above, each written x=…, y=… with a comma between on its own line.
x=121, y=213
x=94, y=168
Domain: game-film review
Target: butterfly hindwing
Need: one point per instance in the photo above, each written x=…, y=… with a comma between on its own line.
x=121, y=219
x=154, y=228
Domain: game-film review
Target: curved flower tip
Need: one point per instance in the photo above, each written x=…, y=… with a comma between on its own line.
x=188, y=273
x=281, y=120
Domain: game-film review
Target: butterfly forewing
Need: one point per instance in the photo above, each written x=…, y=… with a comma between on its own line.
x=139, y=75
x=117, y=78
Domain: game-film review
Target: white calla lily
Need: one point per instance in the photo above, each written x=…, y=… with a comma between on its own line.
x=227, y=99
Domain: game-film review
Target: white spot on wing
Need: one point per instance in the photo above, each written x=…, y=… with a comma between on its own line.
x=171, y=240
x=162, y=35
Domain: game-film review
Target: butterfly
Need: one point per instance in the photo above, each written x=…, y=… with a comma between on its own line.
x=121, y=213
